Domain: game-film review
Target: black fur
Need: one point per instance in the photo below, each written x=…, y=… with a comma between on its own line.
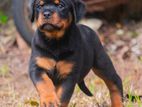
x=79, y=45
x=78, y=9
x=32, y=10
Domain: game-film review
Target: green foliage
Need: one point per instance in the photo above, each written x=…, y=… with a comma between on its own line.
x=32, y=103
x=92, y=86
x=140, y=58
x=3, y=18
x=133, y=99
x=73, y=105
x=4, y=70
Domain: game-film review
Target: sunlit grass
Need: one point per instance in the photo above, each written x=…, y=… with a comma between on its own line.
x=101, y=96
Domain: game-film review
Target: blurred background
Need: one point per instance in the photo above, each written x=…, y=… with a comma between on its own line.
x=119, y=25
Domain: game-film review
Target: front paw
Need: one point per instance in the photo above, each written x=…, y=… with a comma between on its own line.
x=50, y=100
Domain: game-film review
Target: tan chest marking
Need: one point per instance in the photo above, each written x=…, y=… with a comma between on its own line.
x=45, y=63
x=64, y=68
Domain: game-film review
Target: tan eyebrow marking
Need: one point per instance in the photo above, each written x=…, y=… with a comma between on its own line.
x=56, y=1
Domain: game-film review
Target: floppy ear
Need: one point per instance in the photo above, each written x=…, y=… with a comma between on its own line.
x=78, y=10
x=32, y=9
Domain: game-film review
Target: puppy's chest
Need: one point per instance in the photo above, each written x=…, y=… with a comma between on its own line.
x=61, y=68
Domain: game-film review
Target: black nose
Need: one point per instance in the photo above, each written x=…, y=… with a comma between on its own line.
x=47, y=14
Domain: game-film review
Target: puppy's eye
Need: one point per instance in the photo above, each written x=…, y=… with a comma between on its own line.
x=39, y=6
x=61, y=6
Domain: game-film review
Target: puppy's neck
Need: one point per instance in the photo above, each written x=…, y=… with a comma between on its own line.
x=54, y=34
x=57, y=35
x=44, y=41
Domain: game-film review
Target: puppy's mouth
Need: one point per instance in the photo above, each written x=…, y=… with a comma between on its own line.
x=51, y=27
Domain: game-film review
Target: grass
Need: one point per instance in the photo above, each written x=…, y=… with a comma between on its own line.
x=25, y=94
x=131, y=93
x=4, y=70
x=3, y=18
x=15, y=98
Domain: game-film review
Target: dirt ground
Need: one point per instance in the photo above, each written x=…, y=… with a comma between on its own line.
x=123, y=44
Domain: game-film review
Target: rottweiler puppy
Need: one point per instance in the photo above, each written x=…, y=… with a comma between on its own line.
x=63, y=53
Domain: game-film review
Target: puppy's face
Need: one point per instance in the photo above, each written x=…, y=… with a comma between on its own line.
x=53, y=17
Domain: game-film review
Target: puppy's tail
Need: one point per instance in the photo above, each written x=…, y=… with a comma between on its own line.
x=84, y=88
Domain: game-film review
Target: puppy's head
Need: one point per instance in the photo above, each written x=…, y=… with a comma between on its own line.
x=53, y=17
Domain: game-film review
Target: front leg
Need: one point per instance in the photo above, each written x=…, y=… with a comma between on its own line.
x=65, y=91
x=44, y=85
x=45, y=88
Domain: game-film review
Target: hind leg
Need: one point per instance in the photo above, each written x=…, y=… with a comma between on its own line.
x=115, y=88
x=104, y=68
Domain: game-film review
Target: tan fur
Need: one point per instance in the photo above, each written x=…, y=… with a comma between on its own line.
x=116, y=99
x=45, y=63
x=56, y=1
x=60, y=90
x=55, y=20
x=41, y=2
x=64, y=68
x=46, y=97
